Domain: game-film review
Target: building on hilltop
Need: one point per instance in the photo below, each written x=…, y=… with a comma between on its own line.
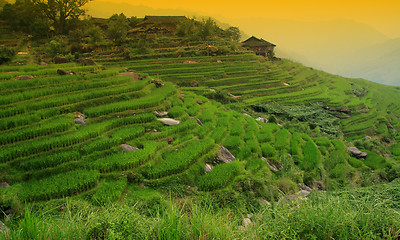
x=260, y=47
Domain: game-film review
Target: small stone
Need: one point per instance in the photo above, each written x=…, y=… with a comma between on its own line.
x=208, y=168
x=24, y=77
x=246, y=222
x=260, y=119
x=160, y=113
x=197, y=120
x=263, y=202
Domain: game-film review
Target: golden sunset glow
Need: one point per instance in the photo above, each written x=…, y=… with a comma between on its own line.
x=380, y=14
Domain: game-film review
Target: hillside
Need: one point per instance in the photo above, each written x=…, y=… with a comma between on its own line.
x=85, y=140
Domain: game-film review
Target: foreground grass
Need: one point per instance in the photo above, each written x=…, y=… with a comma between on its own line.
x=368, y=213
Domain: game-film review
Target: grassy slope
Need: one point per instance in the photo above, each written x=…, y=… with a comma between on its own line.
x=120, y=110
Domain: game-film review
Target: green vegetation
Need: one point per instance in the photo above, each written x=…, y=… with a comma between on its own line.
x=86, y=156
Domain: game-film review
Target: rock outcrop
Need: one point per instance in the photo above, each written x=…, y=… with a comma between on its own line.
x=128, y=148
x=224, y=155
x=80, y=121
x=24, y=77
x=357, y=153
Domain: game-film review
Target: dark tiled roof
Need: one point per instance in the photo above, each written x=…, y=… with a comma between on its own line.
x=255, y=42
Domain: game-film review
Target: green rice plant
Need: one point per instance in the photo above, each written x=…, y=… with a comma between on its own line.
x=237, y=127
x=47, y=144
x=268, y=151
x=219, y=176
x=60, y=185
x=375, y=161
x=67, y=99
x=126, y=160
x=254, y=164
x=311, y=156
x=184, y=126
x=26, y=94
x=232, y=142
x=44, y=128
x=155, y=98
x=108, y=191
x=176, y=111
x=46, y=161
x=282, y=140
x=119, y=136
x=179, y=160
x=395, y=149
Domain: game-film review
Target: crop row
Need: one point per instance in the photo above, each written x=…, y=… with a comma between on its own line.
x=30, y=118
x=118, y=137
x=46, y=161
x=218, y=177
x=70, y=87
x=68, y=99
x=59, y=185
x=181, y=159
x=45, y=72
x=155, y=98
x=51, y=80
x=126, y=160
x=79, y=136
x=44, y=128
x=33, y=146
x=108, y=191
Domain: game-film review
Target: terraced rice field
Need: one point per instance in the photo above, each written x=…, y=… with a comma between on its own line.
x=41, y=143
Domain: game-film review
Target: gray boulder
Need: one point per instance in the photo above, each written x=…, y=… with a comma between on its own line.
x=24, y=77
x=80, y=121
x=169, y=121
x=224, y=155
x=356, y=152
x=128, y=148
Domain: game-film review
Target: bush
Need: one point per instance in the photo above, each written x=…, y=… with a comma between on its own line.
x=6, y=54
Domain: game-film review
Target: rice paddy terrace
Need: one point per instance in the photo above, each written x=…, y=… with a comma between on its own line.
x=45, y=153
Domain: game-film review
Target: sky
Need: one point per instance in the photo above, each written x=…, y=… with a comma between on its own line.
x=383, y=15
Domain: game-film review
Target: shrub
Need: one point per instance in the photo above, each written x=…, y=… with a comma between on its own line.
x=6, y=54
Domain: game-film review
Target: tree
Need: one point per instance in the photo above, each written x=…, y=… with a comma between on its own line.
x=118, y=28
x=24, y=16
x=233, y=33
x=207, y=29
x=59, y=11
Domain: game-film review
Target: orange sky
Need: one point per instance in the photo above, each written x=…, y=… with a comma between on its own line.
x=384, y=15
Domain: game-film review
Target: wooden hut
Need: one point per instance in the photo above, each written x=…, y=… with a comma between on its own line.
x=260, y=47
